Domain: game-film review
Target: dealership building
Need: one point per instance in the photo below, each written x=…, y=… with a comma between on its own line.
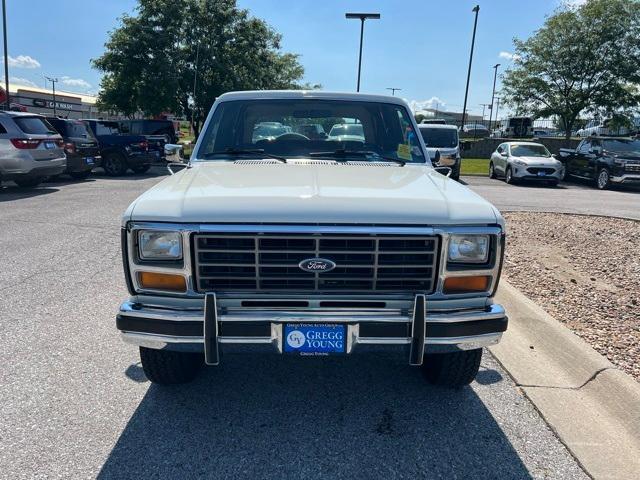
x=67, y=104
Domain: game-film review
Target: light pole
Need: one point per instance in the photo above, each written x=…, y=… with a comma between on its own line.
x=476, y=9
x=483, y=105
x=53, y=83
x=195, y=80
x=362, y=17
x=6, y=55
x=393, y=90
x=497, y=107
x=493, y=94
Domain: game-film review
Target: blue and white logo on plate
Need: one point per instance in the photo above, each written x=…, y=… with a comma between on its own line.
x=296, y=339
x=314, y=339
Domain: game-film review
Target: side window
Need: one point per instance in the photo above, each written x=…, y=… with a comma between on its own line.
x=2, y=129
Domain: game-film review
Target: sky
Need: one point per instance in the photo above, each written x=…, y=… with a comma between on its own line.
x=420, y=46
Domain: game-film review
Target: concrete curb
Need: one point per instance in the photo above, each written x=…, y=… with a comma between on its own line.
x=593, y=407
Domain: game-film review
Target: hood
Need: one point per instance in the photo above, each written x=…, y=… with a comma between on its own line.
x=226, y=192
x=443, y=151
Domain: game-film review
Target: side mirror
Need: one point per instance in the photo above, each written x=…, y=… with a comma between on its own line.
x=446, y=171
x=173, y=153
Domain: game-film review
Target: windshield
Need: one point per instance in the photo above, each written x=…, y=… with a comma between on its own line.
x=621, y=146
x=440, y=137
x=358, y=130
x=529, y=151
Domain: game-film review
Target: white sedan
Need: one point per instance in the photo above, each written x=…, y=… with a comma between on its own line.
x=525, y=161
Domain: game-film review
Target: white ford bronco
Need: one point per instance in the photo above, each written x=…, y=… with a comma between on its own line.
x=310, y=245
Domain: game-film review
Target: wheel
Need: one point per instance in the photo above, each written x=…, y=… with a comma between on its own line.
x=29, y=182
x=80, y=175
x=455, y=369
x=603, y=180
x=166, y=367
x=455, y=174
x=114, y=164
x=141, y=168
x=492, y=171
x=508, y=176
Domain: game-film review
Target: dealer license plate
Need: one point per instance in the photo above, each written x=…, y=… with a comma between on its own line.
x=309, y=339
x=90, y=160
x=542, y=174
x=50, y=145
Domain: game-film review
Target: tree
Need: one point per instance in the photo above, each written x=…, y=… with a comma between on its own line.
x=151, y=59
x=584, y=59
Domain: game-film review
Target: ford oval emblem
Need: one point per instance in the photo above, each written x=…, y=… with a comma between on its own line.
x=319, y=265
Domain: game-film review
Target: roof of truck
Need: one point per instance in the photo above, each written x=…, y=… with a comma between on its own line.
x=300, y=94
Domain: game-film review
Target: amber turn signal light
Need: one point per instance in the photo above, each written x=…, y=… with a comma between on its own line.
x=162, y=281
x=476, y=283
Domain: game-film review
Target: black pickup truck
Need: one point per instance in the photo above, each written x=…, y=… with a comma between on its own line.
x=119, y=151
x=604, y=161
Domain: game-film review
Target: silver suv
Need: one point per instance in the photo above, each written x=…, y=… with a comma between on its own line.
x=30, y=149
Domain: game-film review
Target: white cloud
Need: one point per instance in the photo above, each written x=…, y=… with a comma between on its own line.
x=433, y=102
x=23, y=61
x=75, y=82
x=573, y=3
x=24, y=82
x=509, y=56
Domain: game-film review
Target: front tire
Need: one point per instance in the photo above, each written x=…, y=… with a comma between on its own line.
x=603, y=180
x=166, y=367
x=454, y=369
x=114, y=164
x=492, y=171
x=508, y=176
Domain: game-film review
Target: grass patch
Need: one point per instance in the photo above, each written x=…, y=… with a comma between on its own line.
x=474, y=166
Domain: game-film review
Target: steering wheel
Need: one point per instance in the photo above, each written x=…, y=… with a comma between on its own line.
x=291, y=136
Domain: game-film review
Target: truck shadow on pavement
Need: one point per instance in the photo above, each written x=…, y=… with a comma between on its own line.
x=285, y=417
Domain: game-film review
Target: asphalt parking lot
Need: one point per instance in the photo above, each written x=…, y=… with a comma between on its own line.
x=569, y=197
x=76, y=404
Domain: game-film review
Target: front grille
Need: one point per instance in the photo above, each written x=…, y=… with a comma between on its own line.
x=536, y=170
x=269, y=262
x=632, y=167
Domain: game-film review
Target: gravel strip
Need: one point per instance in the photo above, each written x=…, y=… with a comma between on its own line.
x=585, y=271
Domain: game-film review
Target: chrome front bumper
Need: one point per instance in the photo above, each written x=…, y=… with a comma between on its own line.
x=626, y=178
x=416, y=325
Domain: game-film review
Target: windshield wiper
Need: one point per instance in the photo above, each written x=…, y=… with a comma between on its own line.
x=341, y=153
x=247, y=151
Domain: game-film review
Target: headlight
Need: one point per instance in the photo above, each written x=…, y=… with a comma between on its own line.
x=619, y=161
x=469, y=248
x=520, y=163
x=158, y=245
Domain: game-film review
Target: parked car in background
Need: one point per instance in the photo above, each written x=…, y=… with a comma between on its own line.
x=120, y=152
x=269, y=131
x=313, y=131
x=514, y=127
x=525, y=161
x=443, y=146
x=605, y=128
x=30, y=149
x=80, y=146
x=157, y=132
x=474, y=130
x=604, y=161
x=347, y=132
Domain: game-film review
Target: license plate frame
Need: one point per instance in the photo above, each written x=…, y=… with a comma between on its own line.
x=542, y=174
x=314, y=339
x=50, y=145
x=89, y=160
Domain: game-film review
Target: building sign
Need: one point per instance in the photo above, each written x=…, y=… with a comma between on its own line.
x=42, y=103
